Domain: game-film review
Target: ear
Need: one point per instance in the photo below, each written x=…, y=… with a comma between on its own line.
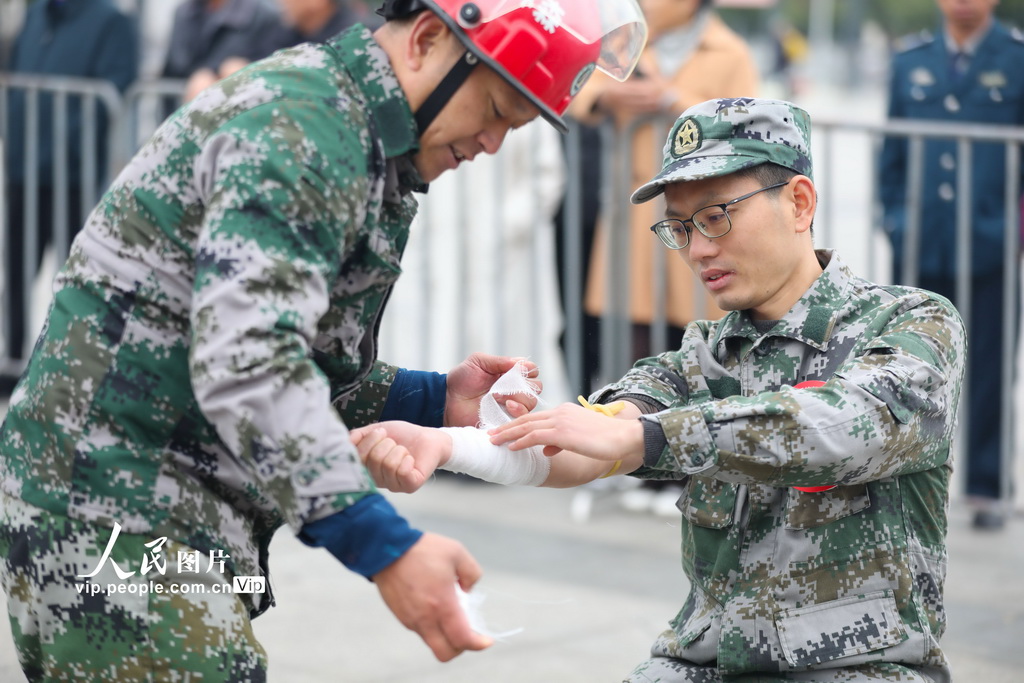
x=805, y=202
x=427, y=35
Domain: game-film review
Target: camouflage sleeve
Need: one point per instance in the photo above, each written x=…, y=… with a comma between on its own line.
x=270, y=246
x=364, y=404
x=888, y=410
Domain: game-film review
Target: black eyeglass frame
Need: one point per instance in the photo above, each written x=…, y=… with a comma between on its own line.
x=666, y=235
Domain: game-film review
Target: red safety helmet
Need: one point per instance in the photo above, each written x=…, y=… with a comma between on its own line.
x=546, y=49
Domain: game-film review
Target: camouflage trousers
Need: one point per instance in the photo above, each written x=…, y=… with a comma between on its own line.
x=150, y=626
x=662, y=667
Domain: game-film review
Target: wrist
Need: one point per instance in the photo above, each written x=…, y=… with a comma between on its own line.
x=446, y=445
x=634, y=448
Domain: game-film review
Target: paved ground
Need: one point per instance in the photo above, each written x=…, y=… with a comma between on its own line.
x=588, y=596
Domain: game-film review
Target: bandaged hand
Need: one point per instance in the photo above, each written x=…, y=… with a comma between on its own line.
x=401, y=456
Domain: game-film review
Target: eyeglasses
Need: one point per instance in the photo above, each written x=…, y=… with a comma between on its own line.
x=712, y=221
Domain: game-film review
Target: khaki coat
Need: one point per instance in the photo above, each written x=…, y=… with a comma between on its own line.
x=720, y=66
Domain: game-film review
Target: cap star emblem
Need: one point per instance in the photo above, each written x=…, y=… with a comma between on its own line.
x=687, y=138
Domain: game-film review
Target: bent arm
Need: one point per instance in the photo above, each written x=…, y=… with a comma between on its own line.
x=266, y=257
x=888, y=410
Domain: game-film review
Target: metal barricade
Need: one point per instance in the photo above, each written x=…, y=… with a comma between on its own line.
x=146, y=104
x=54, y=111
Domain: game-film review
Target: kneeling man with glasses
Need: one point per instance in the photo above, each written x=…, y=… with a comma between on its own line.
x=810, y=428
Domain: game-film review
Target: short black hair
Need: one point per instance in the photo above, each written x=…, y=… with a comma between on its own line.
x=768, y=174
x=400, y=10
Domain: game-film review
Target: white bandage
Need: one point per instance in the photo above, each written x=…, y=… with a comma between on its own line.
x=475, y=455
x=471, y=603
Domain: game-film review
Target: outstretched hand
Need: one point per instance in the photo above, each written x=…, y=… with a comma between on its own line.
x=470, y=381
x=573, y=428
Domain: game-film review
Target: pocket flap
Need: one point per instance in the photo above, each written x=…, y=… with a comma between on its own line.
x=708, y=503
x=839, y=628
x=806, y=510
x=892, y=385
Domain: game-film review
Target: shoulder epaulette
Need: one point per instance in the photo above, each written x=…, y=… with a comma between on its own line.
x=914, y=41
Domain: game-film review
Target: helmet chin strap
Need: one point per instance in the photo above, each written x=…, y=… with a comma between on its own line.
x=452, y=81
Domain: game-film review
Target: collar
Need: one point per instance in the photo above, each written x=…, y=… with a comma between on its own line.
x=812, y=317
x=61, y=10
x=368, y=65
x=678, y=43
x=970, y=46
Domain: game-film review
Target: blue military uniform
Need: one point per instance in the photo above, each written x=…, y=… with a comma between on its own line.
x=929, y=81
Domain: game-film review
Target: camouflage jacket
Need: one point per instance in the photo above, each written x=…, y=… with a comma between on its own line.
x=223, y=293
x=785, y=580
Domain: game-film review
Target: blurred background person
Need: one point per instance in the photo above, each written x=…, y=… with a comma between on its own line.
x=304, y=21
x=968, y=71
x=691, y=56
x=789, y=51
x=209, y=36
x=301, y=21
x=82, y=38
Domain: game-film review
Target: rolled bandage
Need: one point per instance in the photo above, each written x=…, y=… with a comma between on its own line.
x=472, y=452
x=475, y=455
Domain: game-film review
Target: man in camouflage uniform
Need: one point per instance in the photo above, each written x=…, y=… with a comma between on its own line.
x=222, y=296
x=810, y=427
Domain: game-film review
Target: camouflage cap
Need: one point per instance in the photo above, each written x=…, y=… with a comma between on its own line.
x=723, y=136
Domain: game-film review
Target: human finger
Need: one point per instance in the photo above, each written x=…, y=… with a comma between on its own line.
x=536, y=433
x=384, y=459
x=460, y=636
x=406, y=477
x=509, y=431
x=436, y=639
x=518, y=405
x=365, y=439
x=375, y=460
x=393, y=461
x=357, y=435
